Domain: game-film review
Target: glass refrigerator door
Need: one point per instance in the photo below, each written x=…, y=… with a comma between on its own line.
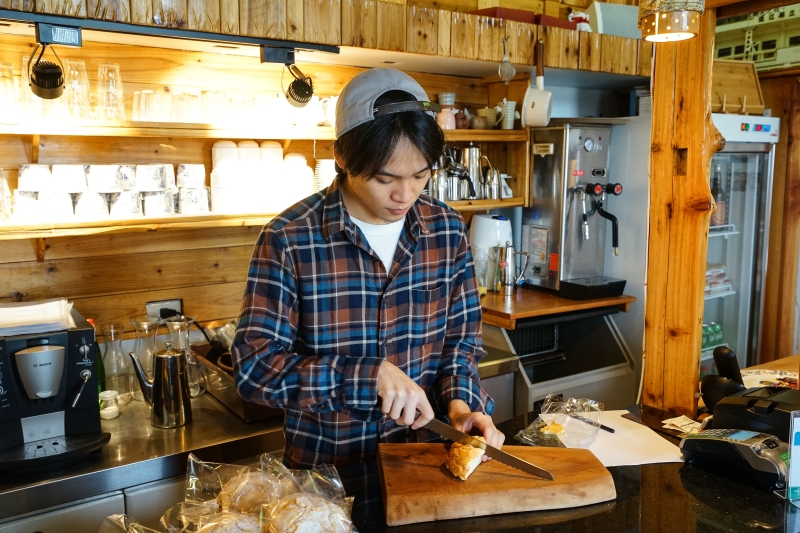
x=741, y=183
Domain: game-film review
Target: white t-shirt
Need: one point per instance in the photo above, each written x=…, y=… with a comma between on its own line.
x=382, y=238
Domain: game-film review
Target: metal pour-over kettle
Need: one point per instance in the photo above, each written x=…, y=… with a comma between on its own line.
x=168, y=392
x=507, y=277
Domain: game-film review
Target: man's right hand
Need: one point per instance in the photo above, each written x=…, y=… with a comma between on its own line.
x=401, y=397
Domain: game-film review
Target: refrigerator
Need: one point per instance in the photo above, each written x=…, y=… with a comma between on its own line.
x=741, y=183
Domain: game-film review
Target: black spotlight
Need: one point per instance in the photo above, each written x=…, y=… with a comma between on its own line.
x=45, y=77
x=301, y=89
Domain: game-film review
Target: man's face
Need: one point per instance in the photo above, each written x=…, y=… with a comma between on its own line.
x=388, y=195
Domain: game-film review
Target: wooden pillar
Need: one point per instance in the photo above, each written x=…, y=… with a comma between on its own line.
x=683, y=140
x=782, y=97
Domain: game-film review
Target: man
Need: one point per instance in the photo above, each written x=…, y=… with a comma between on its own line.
x=361, y=316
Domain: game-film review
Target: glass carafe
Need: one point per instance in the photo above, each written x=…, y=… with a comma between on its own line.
x=146, y=331
x=179, y=332
x=118, y=367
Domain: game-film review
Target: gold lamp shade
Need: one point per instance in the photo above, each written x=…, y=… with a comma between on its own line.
x=670, y=20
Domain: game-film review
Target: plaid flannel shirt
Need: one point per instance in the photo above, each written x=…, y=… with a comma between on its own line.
x=320, y=314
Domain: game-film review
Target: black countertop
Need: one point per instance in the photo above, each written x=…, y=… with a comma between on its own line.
x=650, y=498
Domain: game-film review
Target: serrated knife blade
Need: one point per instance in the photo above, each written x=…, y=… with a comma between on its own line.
x=460, y=437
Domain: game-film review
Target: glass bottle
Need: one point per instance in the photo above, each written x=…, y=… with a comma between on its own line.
x=146, y=331
x=719, y=217
x=118, y=368
x=179, y=327
x=98, y=360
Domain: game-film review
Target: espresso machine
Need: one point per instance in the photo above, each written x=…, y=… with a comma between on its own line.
x=564, y=231
x=49, y=408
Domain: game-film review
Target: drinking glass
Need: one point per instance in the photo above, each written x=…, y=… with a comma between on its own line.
x=117, y=365
x=110, y=99
x=76, y=93
x=146, y=331
x=8, y=97
x=179, y=331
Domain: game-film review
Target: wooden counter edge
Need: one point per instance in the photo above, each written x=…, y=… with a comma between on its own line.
x=508, y=320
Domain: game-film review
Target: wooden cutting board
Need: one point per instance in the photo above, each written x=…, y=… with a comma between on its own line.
x=417, y=487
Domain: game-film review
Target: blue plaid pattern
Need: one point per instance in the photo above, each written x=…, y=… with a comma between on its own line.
x=320, y=314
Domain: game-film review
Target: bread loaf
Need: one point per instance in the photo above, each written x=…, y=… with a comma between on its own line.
x=246, y=492
x=463, y=459
x=232, y=523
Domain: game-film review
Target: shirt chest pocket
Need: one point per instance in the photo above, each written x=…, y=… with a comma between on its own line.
x=428, y=315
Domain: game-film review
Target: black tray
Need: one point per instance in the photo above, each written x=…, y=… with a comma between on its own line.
x=591, y=288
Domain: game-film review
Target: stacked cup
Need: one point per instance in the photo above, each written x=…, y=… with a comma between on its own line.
x=110, y=100
x=509, y=114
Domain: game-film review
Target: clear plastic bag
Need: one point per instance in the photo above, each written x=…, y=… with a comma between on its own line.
x=122, y=523
x=204, y=481
x=186, y=517
x=231, y=523
x=570, y=423
x=321, y=505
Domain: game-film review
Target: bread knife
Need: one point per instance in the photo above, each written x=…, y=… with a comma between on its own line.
x=455, y=435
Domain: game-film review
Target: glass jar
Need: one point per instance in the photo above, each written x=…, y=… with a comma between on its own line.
x=109, y=404
x=179, y=327
x=117, y=365
x=146, y=331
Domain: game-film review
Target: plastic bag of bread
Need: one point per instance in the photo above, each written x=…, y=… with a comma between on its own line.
x=570, y=423
x=320, y=506
x=231, y=523
x=247, y=492
x=122, y=523
x=307, y=513
x=204, y=481
x=186, y=517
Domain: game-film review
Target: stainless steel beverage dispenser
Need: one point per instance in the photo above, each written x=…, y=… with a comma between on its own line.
x=564, y=230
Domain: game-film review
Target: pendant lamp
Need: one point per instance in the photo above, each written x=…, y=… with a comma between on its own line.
x=664, y=21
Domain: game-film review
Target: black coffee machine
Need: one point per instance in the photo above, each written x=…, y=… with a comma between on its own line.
x=49, y=405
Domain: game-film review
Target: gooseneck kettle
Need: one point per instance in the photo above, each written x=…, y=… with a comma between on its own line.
x=168, y=392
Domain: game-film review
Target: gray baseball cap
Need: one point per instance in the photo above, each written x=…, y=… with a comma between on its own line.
x=356, y=104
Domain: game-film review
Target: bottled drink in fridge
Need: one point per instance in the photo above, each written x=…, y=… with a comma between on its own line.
x=720, y=216
x=718, y=333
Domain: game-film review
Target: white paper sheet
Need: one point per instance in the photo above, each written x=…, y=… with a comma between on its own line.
x=35, y=317
x=631, y=443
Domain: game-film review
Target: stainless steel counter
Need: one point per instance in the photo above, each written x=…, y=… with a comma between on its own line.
x=139, y=453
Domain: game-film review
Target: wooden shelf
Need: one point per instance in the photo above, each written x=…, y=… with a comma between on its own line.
x=16, y=230
x=212, y=131
x=40, y=230
x=480, y=205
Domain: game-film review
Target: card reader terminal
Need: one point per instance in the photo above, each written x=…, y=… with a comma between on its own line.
x=763, y=458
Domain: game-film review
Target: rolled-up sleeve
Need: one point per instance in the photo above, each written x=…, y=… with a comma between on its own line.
x=458, y=366
x=267, y=368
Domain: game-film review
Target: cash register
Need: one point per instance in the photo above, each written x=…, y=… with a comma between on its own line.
x=763, y=409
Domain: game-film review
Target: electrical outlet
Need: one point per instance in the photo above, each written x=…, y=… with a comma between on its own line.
x=165, y=308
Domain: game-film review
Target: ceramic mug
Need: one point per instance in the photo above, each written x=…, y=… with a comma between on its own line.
x=446, y=119
x=493, y=115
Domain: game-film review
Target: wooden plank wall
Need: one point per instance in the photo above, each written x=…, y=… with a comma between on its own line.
x=111, y=277
x=782, y=97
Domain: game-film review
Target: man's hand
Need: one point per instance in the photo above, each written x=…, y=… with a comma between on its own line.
x=465, y=420
x=401, y=397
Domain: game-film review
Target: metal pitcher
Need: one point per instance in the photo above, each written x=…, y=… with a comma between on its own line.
x=471, y=160
x=168, y=392
x=507, y=278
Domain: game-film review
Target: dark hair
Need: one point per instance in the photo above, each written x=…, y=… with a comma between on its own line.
x=367, y=148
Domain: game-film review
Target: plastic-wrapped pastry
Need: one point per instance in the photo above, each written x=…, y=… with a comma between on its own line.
x=246, y=493
x=231, y=523
x=463, y=459
x=300, y=513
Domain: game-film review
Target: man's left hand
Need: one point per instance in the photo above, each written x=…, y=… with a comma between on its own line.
x=465, y=420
